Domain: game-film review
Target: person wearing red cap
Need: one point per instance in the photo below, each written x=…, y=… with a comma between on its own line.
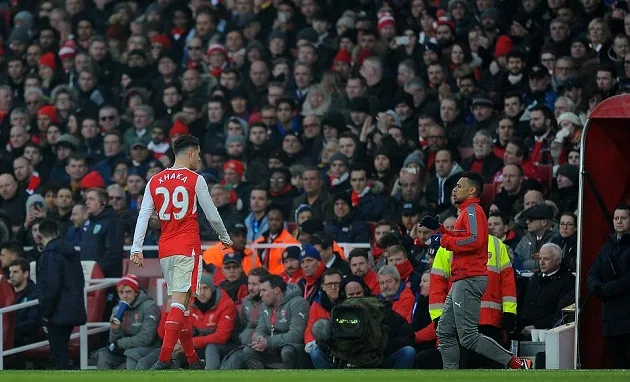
x=217, y=59
x=342, y=63
x=387, y=27
x=47, y=67
x=134, y=325
x=46, y=115
x=233, y=171
x=445, y=32
x=66, y=56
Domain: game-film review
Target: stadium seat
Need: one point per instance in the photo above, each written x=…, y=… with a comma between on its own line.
x=151, y=269
x=487, y=197
x=546, y=176
x=291, y=226
x=7, y=298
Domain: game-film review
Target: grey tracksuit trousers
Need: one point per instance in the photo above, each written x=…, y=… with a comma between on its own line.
x=460, y=320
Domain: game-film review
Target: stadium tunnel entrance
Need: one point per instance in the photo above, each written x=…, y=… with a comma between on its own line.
x=604, y=183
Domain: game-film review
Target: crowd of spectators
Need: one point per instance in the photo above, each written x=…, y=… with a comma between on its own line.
x=321, y=122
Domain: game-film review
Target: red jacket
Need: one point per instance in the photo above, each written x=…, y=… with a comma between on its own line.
x=468, y=241
x=317, y=312
x=426, y=334
x=403, y=301
x=371, y=280
x=218, y=322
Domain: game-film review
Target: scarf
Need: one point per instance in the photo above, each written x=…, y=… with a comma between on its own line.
x=371, y=280
x=297, y=275
x=405, y=269
x=311, y=281
x=281, y=192
x=232, y=287
x=33, y=183
x=356, y=198
x=206, y=306
x=515, y=78
x=177, y=33
x=334, y=181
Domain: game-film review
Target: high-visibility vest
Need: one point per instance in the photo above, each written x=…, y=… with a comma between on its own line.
x=500, y=295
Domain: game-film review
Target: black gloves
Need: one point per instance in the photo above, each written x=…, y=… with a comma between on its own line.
x=509, y=321
x=431, y=222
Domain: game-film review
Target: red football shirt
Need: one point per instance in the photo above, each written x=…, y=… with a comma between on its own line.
x=173, y=194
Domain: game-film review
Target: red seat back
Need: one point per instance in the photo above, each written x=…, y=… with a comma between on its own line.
x=7, y=298
x=95, y=299
x=546, y=175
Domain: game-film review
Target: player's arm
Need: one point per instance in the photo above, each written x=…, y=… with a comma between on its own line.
x=146, y=210
x=210, y=210
x=472, y=236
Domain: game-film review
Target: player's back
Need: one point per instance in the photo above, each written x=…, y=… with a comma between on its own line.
x=175, y=198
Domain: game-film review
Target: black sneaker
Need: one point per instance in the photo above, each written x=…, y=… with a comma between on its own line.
x=159, y=365
x=199, y=365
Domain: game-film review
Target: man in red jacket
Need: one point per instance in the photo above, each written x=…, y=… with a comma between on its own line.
x=469, y=243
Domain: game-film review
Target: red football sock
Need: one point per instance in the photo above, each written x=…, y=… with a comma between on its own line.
x=186, y=338
x=171, y=331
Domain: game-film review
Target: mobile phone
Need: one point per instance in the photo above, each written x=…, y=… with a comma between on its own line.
x=38, y=205
x=402, y=40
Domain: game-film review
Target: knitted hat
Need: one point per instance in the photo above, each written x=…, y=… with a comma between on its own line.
x=570, y=171
x=343, y=56
x=345, y=197
x=386, y=21
x=301, y=208
x=309, y=251
x=178, y=128
x=206, y=279
x=19, y=34
x=341, y=157
x=35, y=198
x=234, y=139
x=216, y=48
x=308, y=34
x=277, y=34
x=346, y=21
x=312, y=226
x=415, y=157
x=129, y=280
x=235, y=165
x=25, y=17
x=68, y=140
x=335, y=120
x=50, y=112
x=292, y=252
x=360, y=104
x=396, y=117
x=92, y=180
x=571, y=117
x=503, y=47
x=448, y=23
x=67, y=53
x=48, y=60
x=161, y=39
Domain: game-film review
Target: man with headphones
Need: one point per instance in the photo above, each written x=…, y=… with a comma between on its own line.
x=103, y=234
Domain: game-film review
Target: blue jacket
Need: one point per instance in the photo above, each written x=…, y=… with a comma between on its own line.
x=351, y=229
x=253, y=234
x=60, y=284
x=102, y=241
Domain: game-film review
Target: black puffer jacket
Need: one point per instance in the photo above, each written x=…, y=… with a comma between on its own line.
x=545, y=297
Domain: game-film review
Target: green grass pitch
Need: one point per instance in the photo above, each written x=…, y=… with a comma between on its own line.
x=316, y=376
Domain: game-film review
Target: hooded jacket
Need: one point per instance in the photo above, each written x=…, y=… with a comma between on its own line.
x=139, y=324
x=249, y=313
x=440, y=197
x=284, y=324
x=60, y=284
x=214, y=321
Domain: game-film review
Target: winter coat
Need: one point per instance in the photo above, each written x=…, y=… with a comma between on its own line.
x=530, y=245
x=489, y=166
x=290, y=319
x=433, y=189
x=611, y=272
x=322, y=207
x=545, y=297
x=27, y=320
x=103, y=241
x=60, y=284
x=374, y=207
x=138, y=327
x=249, y=313
x=320, y=309
x=402, y=302
x=215, y=324
x=569, y=250
x=350, y=229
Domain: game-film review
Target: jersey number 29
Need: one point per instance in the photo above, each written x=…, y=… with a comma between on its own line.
x=179, y=199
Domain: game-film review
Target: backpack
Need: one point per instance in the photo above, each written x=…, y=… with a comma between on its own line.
x=358, y=332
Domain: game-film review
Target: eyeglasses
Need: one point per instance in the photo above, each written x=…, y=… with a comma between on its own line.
x=115, y=198
x=566, y=225
x=107, y=118
x=332, y=285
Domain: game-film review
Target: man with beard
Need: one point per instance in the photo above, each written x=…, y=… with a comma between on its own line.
x=397, y=256
x=543, y=124
x=291, y=261
x=347, y=226
x=321, y=308
x=514, y=79
x=271, y=258
x=395, y=292
x=469, y=243
x=360, y=267
x=330, y=257
x=235, y=283
x=248, y=317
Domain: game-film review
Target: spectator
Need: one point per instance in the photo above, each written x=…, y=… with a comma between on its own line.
x=330, y=257
x=134, y=325
x=9, y=252
x=64, y=203
x=213, y=256
x=371, y=206
x=60, y=286
x=397, y=256
x=235, y=282
x=256, y=222
x=280, y=189
x=278, y=344
x=607, y=279
x=292, y=269
x=395, y=292
x=271, y=258
x=12, y=202
x=566, y=197
x=567, y=240
x=539, y=232
x=484, y=161
x=102, y=239
x=440, y=186
x=28, y=319
x=347, y=227
x=312, y=269
x=315, y=196
x=548, y=291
